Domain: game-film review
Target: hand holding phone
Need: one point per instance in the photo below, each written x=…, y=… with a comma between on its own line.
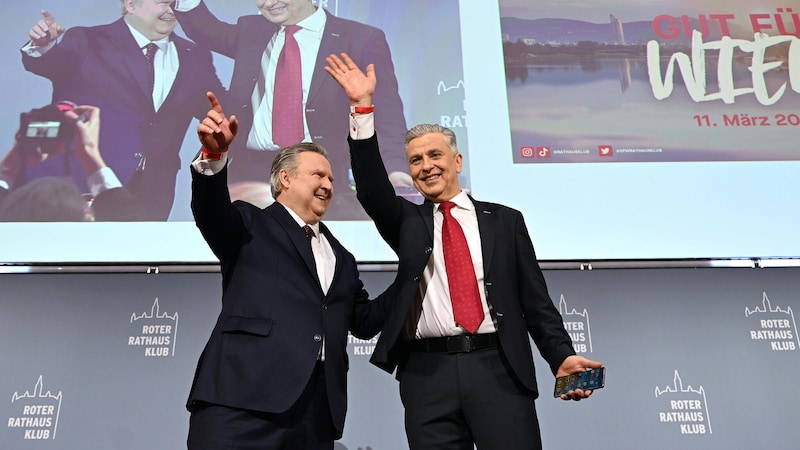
x=588, y=380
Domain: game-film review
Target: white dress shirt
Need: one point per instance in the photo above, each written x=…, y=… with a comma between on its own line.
x=437, y=318
x=165, y=63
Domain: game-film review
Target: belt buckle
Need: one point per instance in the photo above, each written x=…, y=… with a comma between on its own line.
x=460, y=344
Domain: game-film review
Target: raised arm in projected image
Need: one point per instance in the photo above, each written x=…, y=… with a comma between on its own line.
x=145, y=116
x=253, y=84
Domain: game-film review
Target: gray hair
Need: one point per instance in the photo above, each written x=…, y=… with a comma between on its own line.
x=286, y=159
x=427, y=128
x=124, y=8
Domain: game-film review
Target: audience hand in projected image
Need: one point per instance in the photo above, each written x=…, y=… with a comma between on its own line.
x=57, y=198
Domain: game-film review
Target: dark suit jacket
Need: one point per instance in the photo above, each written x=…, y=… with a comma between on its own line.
x=246, y=41
x=264, y=345
x=103, y=66
x=515, y=287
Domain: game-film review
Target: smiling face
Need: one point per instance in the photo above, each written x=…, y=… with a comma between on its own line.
x=434, y=167
x=307, y=190
x=285, y=12
x=153, y=18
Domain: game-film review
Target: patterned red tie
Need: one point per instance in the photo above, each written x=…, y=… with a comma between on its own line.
x=149, y=55
x=309, y=231
x=287, y=103
x=467, y=308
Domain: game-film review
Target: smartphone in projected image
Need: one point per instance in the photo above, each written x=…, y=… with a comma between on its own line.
x=588, y=380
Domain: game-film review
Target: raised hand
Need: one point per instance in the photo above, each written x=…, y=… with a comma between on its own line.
x=358, y=86
x=216, y=132
x=46, y=30
x=87, y=137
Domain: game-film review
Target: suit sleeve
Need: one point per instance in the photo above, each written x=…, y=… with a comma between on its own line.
x=63, y=60
x=220, y=222
x=369, y=315
x=203, y=27
x=544, y=322
x=374, y=191
x=210, y=82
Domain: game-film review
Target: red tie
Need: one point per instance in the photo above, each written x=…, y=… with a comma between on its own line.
x=287, y=103
x=467, y=308
x=149, y=55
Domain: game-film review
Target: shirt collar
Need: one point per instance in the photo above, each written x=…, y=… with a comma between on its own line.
x=315, y=22
x=300, y=222
x=142, y=40
x=461, y=200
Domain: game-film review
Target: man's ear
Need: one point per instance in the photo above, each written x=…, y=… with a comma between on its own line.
x=284, y=176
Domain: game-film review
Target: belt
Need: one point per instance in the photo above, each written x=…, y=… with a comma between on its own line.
x=455, y=344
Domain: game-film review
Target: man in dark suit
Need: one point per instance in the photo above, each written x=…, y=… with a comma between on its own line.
x=105, y=66
x=463, y=382
x=274, y=372
x=255, y=42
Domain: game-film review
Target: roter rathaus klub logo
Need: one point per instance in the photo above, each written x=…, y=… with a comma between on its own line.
x=36, y=412
x=773, y=324
x=154, y=332
x=577, y=325
x=684, y=407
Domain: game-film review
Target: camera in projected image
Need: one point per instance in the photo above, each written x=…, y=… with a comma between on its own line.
x=45, y=131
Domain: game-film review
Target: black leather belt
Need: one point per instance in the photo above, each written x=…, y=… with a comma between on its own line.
x=455, y=344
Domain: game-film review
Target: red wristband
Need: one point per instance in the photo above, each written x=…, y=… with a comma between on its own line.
x=362, y=109
x=212, y=156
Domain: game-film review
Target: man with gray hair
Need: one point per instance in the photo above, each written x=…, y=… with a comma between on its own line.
x=469, y=293
x=148, y=82
x=274, y=372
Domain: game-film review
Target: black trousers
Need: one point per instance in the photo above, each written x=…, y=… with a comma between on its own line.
x=306, y=425
x=453, y=401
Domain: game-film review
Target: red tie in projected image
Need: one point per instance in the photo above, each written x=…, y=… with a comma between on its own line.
x=149, y=55
x=464, y=295
x=287, y=104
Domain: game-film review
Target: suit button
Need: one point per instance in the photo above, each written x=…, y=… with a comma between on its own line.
x=416, y=278
x=324, y=307
x=317, y=338
x=428, y=250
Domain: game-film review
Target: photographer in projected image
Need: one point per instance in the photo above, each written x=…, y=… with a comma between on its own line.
x=38, y=183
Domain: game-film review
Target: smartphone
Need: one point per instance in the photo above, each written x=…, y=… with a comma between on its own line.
x=588, y=381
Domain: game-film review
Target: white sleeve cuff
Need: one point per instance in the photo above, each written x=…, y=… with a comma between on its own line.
x=35, y=50
x=101, y=180
x=185, y=5
x=210, y=167
x=362, y=126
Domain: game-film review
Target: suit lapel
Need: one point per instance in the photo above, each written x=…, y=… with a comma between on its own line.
x=426, y=210
x=330, y=43
x=185, y=66
x=337, y=251
x=487, y=227
x=131, y=55
x=296, y=236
